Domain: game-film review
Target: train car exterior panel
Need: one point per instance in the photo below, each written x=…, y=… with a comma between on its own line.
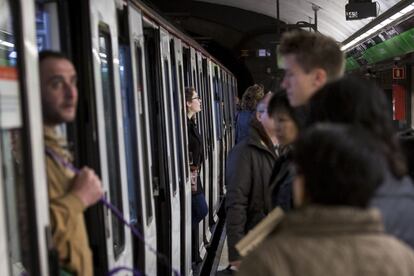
x=140, y=88
x=107, y=84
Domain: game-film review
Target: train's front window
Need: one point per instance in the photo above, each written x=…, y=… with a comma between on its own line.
x=108, y=93
x=12, y=157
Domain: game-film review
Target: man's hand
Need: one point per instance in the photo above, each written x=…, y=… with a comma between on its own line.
x=235, y=264
x=87, y=186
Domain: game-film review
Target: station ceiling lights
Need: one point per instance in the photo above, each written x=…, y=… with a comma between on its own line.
x=377, y=26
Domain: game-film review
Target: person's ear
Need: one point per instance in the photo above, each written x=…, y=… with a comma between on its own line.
x=320, y=77
x=188, y=103
x=298, y=190
x=259, y=116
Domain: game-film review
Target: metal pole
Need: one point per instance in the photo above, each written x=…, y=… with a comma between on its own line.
x=278, y=19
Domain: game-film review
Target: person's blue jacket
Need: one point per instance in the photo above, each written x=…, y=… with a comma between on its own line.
x=395, y=199
x=243, y=124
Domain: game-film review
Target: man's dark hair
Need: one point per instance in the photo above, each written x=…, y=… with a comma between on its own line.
x=314, y=50
x=341, y=165
x=279, y=103
x=360, y=103
x=51, y=54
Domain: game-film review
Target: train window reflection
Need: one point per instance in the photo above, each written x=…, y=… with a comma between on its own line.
x=47, y=25
x=12, y=157
x=142, y=130
x=168, y=94
x=105, y=55
x=184, y=118
x=179, y=113
x=130, y=133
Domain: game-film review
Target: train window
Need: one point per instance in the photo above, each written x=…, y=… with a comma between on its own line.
x=177, y=96
x=143, y=132
x=204, y=106
x=168, y=89
x=194, y=83
x=184, y=119
x=47, y=26
x=108, y=92
x=130, y=133
x=217, y=102
x=18, y=214
x=186, y=62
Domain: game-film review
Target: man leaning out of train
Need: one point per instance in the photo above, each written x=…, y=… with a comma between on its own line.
x=70, y=193
x=332, y=231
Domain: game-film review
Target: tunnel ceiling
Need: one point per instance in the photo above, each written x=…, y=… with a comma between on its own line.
x=331, y=16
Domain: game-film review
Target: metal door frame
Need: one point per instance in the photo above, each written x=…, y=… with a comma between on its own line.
x=171, y=151
x=104, y=11
x=141, y=104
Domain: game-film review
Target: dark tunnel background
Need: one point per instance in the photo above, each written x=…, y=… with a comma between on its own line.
x=243, y=41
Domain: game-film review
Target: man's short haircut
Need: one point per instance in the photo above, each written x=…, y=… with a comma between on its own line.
x=280, y=104
x=314, y=50
x=341, y=165
x=51, y=54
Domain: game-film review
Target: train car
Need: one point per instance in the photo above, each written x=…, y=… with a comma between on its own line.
x=131, y=129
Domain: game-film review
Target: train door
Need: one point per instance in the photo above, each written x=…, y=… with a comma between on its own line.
x=214, y=152
x=234, y=94
x=145, y=203
x=177, y=73
x=219, y=121
x=24, y=213
x=204, y=133
x=172, y=152
x=105, y=57
x=225, y=108
x=161, y=158
x=195, y=83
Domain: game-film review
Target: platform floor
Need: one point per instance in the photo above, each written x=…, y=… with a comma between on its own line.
x=224, y=258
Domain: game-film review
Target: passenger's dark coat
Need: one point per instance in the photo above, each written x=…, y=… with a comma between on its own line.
x=195, y=148
x=281, y=181
x=336, y=241
x=395, y=199
x=248, y=170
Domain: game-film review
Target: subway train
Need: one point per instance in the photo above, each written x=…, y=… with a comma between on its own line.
x=130, y=128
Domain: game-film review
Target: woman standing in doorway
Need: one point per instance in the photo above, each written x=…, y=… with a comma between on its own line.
x=199, y=207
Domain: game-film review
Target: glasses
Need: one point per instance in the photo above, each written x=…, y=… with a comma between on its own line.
x=196, y=98
x=262, y=110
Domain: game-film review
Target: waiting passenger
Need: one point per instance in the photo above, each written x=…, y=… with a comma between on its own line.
x=249, y=166
x=287, y=128
x=361, y=103
x=310, y=61
x=333, y=232
x=250, y=98
x=195, y=151
x=69, y=194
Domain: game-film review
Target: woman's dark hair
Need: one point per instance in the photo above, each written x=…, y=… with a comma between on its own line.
x=251, y=97
x=359, y=103
x=341, y=164
x=280, y=104
x=188, y=93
